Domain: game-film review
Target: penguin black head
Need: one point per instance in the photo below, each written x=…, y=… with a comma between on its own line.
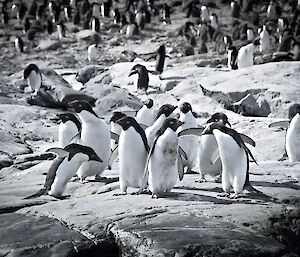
x=166, y=109
x=127, y=122
x=82, y=105
x=73, y=149
x=161, y=49
x=293, y=110
x=29, y=69
x=185, y=107
x=214, y=125
x=116, y=116
x=171, y=123
x=148, y=103
x=219, y=117
x=138, y=68
x=64, y=117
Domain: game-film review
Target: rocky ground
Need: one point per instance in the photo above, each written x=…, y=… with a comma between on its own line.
x=193, y=220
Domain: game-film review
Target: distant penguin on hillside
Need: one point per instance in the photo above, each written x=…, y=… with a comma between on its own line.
x=34, y=77
x=250, y=34
x=96, y=10
x=232, y=58
x=61, y=30
x=49, y=26
x=92, y=49
x=204, y=13
x=265, y=40
x=95, y=24
x=26, y=25
x=69, y=127
x=235, y=9
x=245, y=56
x=64, y=167
x=140, y=19
x=214, y=21
x=19, y=45
x=271, y=11
x=116, y=16
x=166, y=14
x=76, y=17
x=146, y=115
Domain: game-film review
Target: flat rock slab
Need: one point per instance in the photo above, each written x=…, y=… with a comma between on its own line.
x=22, y=235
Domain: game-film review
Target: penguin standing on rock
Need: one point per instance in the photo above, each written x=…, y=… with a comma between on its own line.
x=115, y=127
x=234, y=155
x=188, y=143
x=133, y=150
x=34, y=77
x=95, y=133
x=143, y=77
x=19, y=45
x=146, y=115
x=69, y=127
x=265, y=40
x=162, y=162
x=95, y=24
x=232, y=58
x=64, y=167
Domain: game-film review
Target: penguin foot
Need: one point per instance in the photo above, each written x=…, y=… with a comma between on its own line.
x=223, y=195
x=100, y=179
x=61, y=197
x=141, y=191
x=74, y=179
x=234, y=196
x=218, y=180
x=190, y=171
x=200, y=180
x=83, y=181
x=118, y=194
x=154, y=196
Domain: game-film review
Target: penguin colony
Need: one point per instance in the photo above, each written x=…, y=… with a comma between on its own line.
x=162, y=146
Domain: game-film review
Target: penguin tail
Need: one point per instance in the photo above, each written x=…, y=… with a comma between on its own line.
x=251, y=189
x=37, y=194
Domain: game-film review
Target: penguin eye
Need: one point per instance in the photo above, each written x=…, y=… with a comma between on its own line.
x=171, y=122
x=128, y=122
x=80, y=105
x=165, y=108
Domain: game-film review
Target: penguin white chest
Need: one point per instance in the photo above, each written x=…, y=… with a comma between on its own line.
x=163, y=163
x=66, y=132
x=92, y=53
x=293, y=139
x=132, y=155
x=151, y=131
x=34, y=81
x=234, y=162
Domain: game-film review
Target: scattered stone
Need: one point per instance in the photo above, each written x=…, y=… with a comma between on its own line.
x=48, y=44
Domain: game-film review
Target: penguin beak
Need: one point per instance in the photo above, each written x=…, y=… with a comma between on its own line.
x=132, y=72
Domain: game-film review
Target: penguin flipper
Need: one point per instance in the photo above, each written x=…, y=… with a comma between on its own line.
x=282, y=124
x=215, y=156
x=114, y=136
x=146, y=171
x=59, y=152
x=42, y=191
x=182, y=153
x=180, y=167
x=248, y=140
x=75, y=139
x=191, y=131
x=112, y=157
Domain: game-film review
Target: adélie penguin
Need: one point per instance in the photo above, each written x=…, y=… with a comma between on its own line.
x=34, y=78
x=133, y=150
x=94, y=133
x=234, y=155
x=68, y=128
x=163, y=162
x=188, y=143
x=143, y=77
x=146, y=115
x=292, y=140
x=19, y=45
x=64, y=167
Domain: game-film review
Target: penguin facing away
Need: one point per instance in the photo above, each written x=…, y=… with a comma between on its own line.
x=64, y=168
x=133, y=150
x=164, y=112
x=95, y=133
x=68, y=128
x=143, y=77
x=245, y=56
x=146, y=115
x=234, y=155
x=162, y=161
x=34, y=78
